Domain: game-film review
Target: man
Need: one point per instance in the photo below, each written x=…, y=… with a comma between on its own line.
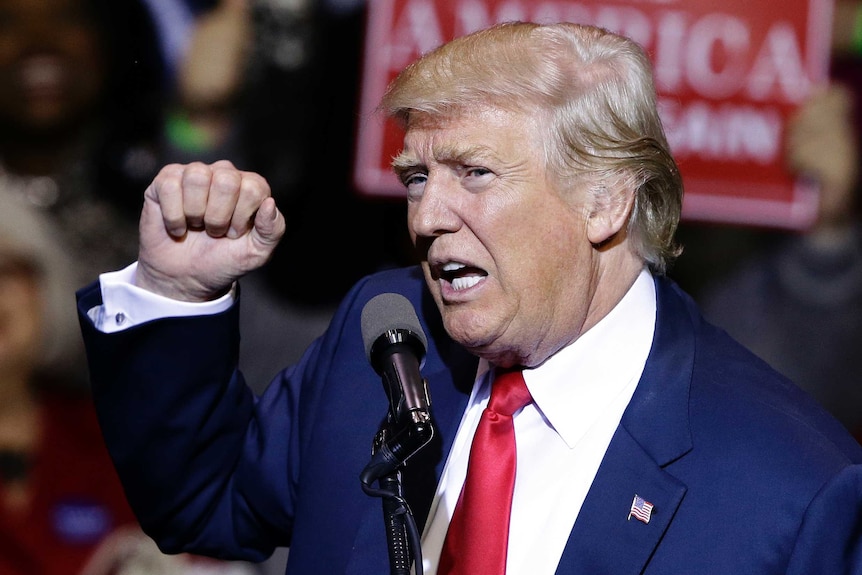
x=542, y=201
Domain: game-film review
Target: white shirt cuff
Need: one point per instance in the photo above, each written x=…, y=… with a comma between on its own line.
x=125, y=305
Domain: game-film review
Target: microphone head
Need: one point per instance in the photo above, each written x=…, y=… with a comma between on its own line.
x=391, y=313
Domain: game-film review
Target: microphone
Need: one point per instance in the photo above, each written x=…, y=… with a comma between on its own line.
x=395, y=346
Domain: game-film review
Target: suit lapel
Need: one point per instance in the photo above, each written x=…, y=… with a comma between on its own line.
x=654, y=431
x=606, y=538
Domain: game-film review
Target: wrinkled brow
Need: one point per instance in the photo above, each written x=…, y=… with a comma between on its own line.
x=452, y=154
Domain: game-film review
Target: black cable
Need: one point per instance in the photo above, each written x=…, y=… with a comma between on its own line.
x=398, y=508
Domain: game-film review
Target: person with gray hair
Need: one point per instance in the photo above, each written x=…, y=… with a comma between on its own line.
x=552, y=403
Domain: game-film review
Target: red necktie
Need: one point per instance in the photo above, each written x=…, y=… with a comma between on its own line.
x=478, y=535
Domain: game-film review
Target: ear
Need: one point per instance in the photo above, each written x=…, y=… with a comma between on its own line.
x=612, y=205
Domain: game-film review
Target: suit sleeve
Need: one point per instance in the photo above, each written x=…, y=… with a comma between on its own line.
x=202, y=460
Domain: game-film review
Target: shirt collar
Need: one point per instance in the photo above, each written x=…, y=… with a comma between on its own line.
x=585, y=380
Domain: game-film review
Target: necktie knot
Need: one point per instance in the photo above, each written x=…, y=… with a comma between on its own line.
x=509, y=392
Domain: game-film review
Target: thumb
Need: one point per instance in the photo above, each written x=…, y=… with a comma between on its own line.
x=269, y=224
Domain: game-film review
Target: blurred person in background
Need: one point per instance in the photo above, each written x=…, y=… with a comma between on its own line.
x=81, y=89
x=798, y=302
x=92, y=99
x=59, y=494
x=299, y=110
x=715, y=250
x=62, y=509
x=262, y=84
x=795, y=299
x=84, y=95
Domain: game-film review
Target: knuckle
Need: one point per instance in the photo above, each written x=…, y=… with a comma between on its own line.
x=196, y=175
x=255, y=185
x=225, y=180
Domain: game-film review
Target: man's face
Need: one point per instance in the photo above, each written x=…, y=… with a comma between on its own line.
x=504, y=251
x=50, y=62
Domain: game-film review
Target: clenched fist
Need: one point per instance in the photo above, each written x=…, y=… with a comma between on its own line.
x=203, y=226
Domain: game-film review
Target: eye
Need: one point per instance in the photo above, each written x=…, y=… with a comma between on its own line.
x=476, y=178
x=476, y=172
x=414, y=182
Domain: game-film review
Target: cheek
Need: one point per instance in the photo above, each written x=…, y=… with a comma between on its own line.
x=554, y=261
x=546, y=238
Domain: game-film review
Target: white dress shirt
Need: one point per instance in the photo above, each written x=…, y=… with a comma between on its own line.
x=579, y=396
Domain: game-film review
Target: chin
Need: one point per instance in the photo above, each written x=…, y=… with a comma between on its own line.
x=470, y=329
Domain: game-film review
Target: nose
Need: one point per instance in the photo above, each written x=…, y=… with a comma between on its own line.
x=436, y=212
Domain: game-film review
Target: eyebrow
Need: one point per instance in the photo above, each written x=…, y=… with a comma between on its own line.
x=449, y=154
x=404, y=161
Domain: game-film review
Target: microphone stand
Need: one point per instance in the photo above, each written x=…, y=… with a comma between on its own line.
x=392, y=446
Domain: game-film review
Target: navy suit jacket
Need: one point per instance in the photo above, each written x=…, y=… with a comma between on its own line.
x=747, y=475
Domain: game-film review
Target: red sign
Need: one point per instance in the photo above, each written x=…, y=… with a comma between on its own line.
x=728, y=73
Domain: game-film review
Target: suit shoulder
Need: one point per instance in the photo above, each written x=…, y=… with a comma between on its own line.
x=737, y=392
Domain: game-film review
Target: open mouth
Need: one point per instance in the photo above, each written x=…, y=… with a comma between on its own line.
x=461, y=276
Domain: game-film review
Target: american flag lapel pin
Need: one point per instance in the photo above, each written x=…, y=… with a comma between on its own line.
x=641, y=509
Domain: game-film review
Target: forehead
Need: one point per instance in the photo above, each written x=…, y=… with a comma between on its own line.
x=478, y=132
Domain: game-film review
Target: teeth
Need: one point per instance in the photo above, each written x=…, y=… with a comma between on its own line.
x=465, y=282
x=453, y=266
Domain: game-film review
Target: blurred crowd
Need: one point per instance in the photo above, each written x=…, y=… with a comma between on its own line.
x=795, y=296
x=97, y=95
